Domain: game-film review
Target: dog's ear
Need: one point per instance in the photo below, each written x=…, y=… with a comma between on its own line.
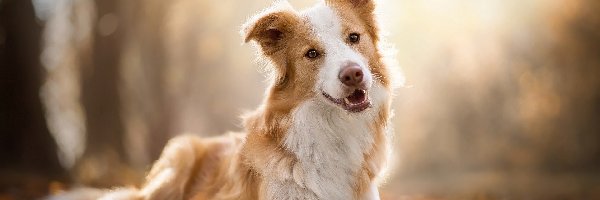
x=271, y=27
x=365, y=9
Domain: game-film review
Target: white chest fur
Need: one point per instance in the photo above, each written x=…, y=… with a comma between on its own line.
x=329, y=144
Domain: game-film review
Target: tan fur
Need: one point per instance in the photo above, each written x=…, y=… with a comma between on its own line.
x=358, y=15
x=234, y=166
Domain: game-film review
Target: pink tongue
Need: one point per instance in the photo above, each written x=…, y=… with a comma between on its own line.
x=357, y=97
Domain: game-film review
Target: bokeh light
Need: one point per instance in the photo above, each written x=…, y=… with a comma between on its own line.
x=501, y=100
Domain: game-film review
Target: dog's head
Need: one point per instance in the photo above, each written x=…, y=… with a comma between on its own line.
x=327, y=53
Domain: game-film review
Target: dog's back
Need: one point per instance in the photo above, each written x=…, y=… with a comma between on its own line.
x=191, y=167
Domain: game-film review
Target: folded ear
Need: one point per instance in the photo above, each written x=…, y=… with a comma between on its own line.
x=271, y=27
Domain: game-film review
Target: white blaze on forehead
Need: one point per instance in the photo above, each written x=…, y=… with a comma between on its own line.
x=327, y=29
x=324, y=21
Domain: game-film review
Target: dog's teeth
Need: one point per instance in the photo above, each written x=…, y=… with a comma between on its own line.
x=347, y=101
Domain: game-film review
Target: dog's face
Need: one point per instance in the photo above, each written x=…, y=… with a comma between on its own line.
x=326, y=53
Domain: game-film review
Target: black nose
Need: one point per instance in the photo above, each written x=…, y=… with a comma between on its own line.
x=351, y=75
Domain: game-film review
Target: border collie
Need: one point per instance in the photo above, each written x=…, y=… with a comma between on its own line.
x=322, y=130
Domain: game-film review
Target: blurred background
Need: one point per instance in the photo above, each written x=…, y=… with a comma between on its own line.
x=502, y=99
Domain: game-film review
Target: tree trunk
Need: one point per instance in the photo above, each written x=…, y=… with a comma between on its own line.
x=27, y=150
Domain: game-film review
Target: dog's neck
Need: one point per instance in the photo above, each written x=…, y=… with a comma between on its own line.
x=330, y=145
x=317, y=148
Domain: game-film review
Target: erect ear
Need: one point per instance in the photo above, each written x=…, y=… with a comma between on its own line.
x=365, y=9
x=271, y=27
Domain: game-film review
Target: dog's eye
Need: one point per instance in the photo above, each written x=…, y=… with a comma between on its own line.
x=312, y=53
x=354, y=38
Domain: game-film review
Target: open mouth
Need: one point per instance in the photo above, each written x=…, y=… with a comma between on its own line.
x=355, y=102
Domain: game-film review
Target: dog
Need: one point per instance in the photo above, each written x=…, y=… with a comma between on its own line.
x=322, y=130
